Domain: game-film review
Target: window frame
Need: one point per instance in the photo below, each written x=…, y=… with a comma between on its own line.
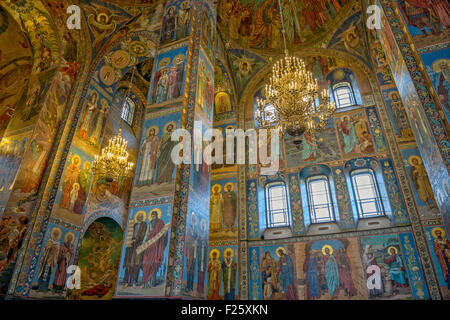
x=312, y=207
x=378, y=201
x=131, y=110
x=285, y=211
x=352, y=97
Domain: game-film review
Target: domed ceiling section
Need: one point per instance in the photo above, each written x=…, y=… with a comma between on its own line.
x=256, y=24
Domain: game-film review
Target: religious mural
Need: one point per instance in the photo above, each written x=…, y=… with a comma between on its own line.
x=177, y=21
x=205, y=88
x=98, y=260
x=56, y=256
x=223, y=209
x=143, y=263
x=224, y=105
x=223, y=273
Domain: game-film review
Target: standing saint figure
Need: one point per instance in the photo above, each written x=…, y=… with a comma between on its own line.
x=229, y=205
x=396, y=269
x=165, y=163
x=286, y=271
x=202, y=257
x=312, y=278
x=168, y=27
x=269, y=264
x=400, y=117
x=179, y=61
x=191, y=252
x=84, y=180
x=209, y=93
x=214, y=271
x=49, y=259
x=345, y=273
x=155, y=244
x=216, y=205
x=171, y=82
x=64, y=258
x=183, y=19
x=96, y=133
x=309, y=147
x=162, y=86
x=421, y=182
x=201, y=88
x=133, y=260
x=441, y=248
x=91, y=106
x=229, y=268
x=331, y=270
x=148, y=153
x=70, y=177
x=348, y=132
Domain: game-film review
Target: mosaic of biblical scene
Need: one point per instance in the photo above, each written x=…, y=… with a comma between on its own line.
x=222, y=281
x=223, y=209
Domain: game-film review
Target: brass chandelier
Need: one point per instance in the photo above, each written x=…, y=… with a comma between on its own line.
x=112, y=163
x=293, y=93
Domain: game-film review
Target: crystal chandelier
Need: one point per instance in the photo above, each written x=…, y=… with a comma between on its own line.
x=112, y=163
x=296, y=105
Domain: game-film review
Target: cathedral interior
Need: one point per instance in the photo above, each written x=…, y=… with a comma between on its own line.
x=357, y=210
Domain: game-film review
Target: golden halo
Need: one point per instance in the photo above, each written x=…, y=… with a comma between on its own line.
x=212, y=251
x=390, y=94
x=193, y=217
x=327, y=246
x=183, y=4
x=392, y=247
x=77, y=157
x=152, y=127
x=433, y=232
x=410, y=159
x=76, y=184
x=436, y=64
x=171, y=7
x=85, y=164
x=228, y=250
x=348, y=35
x=229, y=184
x=172, y=123
x=65, y=236
x=163, y=63
x=179, y=58
x=140, y=213
x=102, y=15
x=59, y=232
x=150, y=213
x=216, y=185
x=282, y=249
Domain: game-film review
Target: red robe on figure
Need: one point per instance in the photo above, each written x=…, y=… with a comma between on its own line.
x=153, y=256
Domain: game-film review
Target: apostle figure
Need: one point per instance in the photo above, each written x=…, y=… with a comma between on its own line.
x=201, y=85
x=373, y=272
x=417, y=14
x=49, y=259
x=265, y=26
x=96, y=133
x=209, y=93
x=165, y=163
x=214, y=271
x=229, y=268
x=441, y=82
x=133, y=260
x=183, y=19
x=35, y=167
x=396, y=269
x=441, y=248
x=148, y=153
x=191, y=252
x=286, y=271
x=179, y=62
x=84, y=179
x=168, y=27
x=64, y=258
x=162, y=86
x=331, y=270
x=309, y=147
x=71, y=176
x=421, y=182
x=202, y=257
x=171, y=82
x=216, y=208
x=229, y=205
x=269, y=266
x=312, y=279
x=91, y=106
x=400, y=117
x=345, y=273
x=347, y=129
x=153, y=255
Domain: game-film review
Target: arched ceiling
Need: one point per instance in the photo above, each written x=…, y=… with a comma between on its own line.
x=256, y=24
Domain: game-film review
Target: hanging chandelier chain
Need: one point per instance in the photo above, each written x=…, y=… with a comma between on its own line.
x=283, y=30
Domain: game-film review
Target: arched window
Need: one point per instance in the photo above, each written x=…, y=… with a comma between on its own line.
x=367, y=194
x=319, y=199
x=128, y=111
x=277, y=210
x=343, y=95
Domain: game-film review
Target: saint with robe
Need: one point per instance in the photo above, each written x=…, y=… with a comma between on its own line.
x=441, y=248
x=216, y=208
x=209, y=94
x=286, y=272
x=85, y=126
x=345, y=273
x=96, y=133
x=201, y=88
x=202, y=257
x=149, y=151
x=265, y=21
x=331, y=270
x=71, y=176
x=172, y=82
x=191, y=252
x=348, y=132
x=229, y=205
x=36, y=167
x=229, y=268
x=49, y=259
x=269, y=265
x=168, y=27
x=64, y=259
x=133, y=260
x=183, y=19
x=165, y=163
x=179, y=61
x=162, y=86
x=214, y=272
x=396, y=269
x=153, y=255
x=310, y=146
x=421, y=182
x=312, y=278
x=84, y=180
